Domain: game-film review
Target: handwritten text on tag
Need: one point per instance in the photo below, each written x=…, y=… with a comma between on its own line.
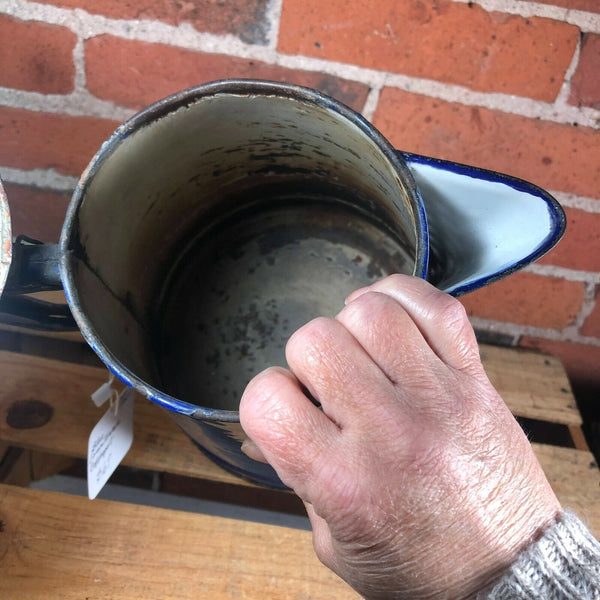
x=109, y=442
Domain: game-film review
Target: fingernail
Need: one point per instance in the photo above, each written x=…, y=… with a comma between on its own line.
x=356, y=293
x=251, y=450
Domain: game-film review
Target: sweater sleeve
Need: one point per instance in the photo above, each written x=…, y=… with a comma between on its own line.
x=563, y=564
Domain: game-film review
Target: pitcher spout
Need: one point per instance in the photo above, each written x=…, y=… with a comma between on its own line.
x=483, y=225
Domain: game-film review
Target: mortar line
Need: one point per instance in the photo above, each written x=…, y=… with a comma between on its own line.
x=585, y=20
x=47, y=179
x=565, y=89
x=371, y=102
x=186, y=37
x=80, y=81
x=80, y=103
x=587, y=306
x=590, y=205
x=273, y=15
x=41, y=178
x=563, y=273
x=509, y=104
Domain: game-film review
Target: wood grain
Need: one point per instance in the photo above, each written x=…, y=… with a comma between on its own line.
x=79, y=549
x=68, y=547
x=532, y=384
x=158, y=445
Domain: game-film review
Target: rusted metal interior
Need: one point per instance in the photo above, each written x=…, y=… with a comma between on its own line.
x=207, y=236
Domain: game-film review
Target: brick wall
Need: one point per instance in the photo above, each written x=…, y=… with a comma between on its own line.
x=511, y=85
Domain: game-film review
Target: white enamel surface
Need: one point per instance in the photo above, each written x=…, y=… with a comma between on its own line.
x=480, y=227
x=160, y=180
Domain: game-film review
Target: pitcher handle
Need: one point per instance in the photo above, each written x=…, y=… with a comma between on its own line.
x=483, y=225
x=34, y=268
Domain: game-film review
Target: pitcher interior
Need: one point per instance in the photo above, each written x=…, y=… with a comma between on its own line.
x=207, y=235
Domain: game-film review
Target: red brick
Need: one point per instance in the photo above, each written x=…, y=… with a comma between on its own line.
x=30, y=140
x=587, y=5
x=581, y=361
x=527, y=299
x=591, y=326
x=244, y=18
x=35, y=212
x=36, y=56
x=580, y=246
x=142, y=73
x=435, y=39
x=555, y=156
x=585, y=85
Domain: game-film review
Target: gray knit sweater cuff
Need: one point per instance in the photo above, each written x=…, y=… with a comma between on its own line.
x=564, y=564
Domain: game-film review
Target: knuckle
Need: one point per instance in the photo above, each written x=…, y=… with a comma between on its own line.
x=362, y=310
x=262, y=392
x=311, y=340
x=450, y=313
x=450, y=307
x=395, y=280
x=452, y=317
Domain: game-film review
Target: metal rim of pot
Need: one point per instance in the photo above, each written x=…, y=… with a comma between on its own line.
x=150, y=115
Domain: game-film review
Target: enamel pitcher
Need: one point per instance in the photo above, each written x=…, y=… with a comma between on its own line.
x=217, y=221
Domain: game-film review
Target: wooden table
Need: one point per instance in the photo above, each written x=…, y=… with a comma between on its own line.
x=57, y=546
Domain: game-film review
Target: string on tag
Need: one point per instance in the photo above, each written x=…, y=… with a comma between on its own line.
x=113, y=401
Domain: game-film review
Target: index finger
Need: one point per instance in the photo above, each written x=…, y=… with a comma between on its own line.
x=442, y=319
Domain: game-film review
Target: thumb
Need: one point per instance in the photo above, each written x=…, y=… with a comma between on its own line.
x=251, y=450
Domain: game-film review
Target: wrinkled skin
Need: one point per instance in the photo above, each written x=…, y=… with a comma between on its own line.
x=417, y=480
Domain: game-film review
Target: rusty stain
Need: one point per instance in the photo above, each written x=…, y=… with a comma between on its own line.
x=274, y=161
x=28, y=414
x=241, y=289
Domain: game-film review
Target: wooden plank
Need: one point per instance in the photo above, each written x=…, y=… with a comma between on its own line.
x=67, y=547
x=15, y=467
x=159, y=444
x=575, y=479
x=44, y=464
x=532, y=384
x=578, y=437
x=60, y=546
x=21, y=466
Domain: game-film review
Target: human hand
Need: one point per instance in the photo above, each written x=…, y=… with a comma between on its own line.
x=417, y=479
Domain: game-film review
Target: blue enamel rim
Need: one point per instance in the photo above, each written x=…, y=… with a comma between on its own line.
x=161, y=109
x=557, y=215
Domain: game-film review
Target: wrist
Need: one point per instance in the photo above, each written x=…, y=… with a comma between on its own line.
x=563, y=564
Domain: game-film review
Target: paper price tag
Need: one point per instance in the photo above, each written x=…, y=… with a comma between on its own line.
x=109, y=442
